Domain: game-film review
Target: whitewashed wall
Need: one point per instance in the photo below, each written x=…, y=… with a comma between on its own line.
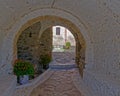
x=100, y=18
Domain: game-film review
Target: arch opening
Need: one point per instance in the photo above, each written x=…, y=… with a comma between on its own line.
x=64, y=45
x=43, y=25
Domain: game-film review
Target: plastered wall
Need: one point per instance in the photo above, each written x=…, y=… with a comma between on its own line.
x=100, y=18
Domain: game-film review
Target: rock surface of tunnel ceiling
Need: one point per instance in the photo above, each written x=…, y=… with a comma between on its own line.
x=36, y=39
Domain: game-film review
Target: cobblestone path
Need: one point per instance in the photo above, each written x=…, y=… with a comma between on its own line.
x=59, y=84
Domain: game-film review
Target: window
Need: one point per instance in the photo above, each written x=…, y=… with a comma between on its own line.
x=57, y=30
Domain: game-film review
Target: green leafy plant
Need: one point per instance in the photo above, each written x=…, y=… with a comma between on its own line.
x=23, y=68
x=45, y=60
x=67, y=45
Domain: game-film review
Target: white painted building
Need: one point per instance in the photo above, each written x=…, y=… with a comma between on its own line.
x=61, y=35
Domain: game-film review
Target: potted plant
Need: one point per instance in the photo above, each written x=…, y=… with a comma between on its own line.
x=23, y=69
x=45, y=60
x=67, y=45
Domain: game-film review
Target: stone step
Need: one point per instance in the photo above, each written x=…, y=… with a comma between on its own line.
x=66, y=67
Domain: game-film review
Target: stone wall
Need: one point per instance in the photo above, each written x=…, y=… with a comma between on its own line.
x=27, y=45
x=31, y=47
x=45, y=47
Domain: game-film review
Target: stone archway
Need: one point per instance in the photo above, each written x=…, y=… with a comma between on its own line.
x=35, y=16
x=46, y=22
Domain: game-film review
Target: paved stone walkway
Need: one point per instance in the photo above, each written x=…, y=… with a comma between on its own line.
x=59, y=84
